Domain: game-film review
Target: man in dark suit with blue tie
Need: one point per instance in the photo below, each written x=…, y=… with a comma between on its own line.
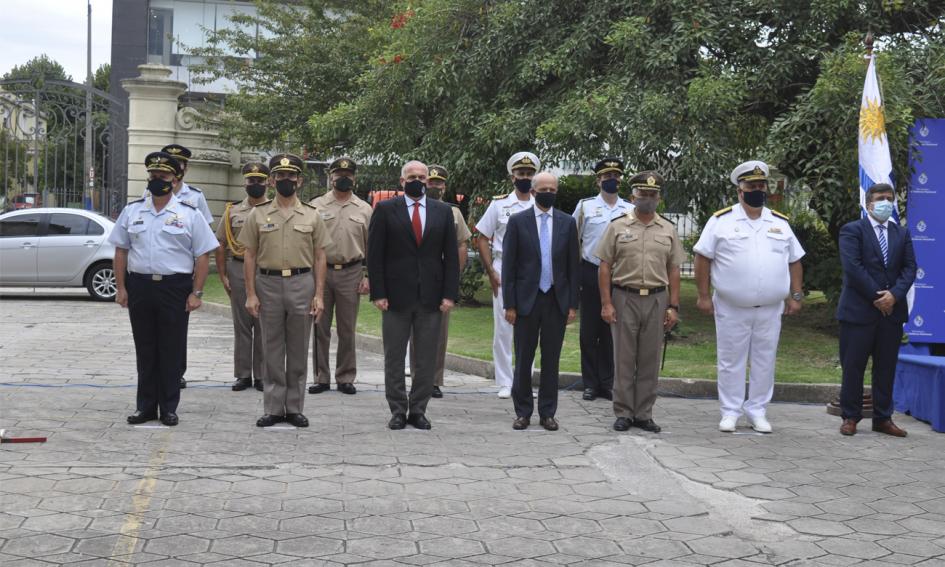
x=413, y=268
x=878, y=270
x=540, y=293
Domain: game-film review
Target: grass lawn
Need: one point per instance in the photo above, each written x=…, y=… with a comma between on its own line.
x=807, y=352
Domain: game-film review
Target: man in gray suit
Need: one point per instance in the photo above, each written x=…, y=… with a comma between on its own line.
x=413, y=269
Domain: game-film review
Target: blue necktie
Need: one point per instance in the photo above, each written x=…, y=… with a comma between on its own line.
x=883, y=245
x=544, y=240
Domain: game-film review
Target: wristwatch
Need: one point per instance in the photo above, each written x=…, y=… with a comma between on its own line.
x=673, y=307
x=797, y=296
x=198, y=293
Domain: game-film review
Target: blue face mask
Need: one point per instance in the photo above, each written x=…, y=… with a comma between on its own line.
x=882, y=210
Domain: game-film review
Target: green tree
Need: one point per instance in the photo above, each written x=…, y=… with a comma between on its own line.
x=36, y=69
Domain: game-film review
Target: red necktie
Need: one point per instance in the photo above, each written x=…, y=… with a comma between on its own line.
x=417, y=226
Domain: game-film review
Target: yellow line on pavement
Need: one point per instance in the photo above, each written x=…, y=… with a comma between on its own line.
x=140, y=500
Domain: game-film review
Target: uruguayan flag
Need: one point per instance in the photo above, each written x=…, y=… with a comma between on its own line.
x=875, y=161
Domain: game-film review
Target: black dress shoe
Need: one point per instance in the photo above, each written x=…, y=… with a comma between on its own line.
x=606, y=394
x=647, y=425
x=589, y=394
x=549, y=423
x=170, y=419
x=241, y=384
x=141, y=417
x=437, y=393
x=181, y=383
x=258, y=385
x=520, y=423
x=397, y=421
x=269, y=420
x=296, y=419
x=622, y=424
x=318, y=388
x=419, y=421
x=347, y=389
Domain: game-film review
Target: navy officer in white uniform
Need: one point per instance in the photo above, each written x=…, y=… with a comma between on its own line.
x=753, y=260
x=162, y=248
x=592, y=216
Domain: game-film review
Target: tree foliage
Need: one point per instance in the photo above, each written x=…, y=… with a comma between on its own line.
x=688, y=88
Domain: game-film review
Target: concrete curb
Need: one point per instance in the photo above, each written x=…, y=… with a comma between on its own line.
x=681, y=387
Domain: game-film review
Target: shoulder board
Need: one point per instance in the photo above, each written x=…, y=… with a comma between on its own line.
x=194, y=188
x=310, y=206
x=586, y=199
x=236, y=202
x=667, y=220
x=141, y=200
x=264, y=203
x=626, y=214
x=188, y=205
x=497, y=197
x=779, y=215
x=724, y=211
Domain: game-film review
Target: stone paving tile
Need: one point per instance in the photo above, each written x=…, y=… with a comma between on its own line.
x=217, y=490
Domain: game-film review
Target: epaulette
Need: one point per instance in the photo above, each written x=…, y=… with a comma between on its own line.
x=780, y=215
x=586, y=199
x=626, y=214
x=667, y=220
x=309, y=206
x=236, y=202
x=194, y=188
x=497, y=197
x=263, y=203
x=141, y=200
x=187, y=205
x=724, y=211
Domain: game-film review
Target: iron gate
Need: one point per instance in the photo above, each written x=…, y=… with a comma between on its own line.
x=42, y=147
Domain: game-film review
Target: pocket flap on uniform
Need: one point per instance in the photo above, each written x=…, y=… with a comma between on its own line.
x=777, y=235
x=664, y=240
x=303, y=227
x=357, y=219
x=174, y=229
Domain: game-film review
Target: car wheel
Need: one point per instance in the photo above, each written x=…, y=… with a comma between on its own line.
x=101, y=283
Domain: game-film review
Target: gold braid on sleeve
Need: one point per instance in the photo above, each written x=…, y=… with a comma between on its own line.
x=235, y=247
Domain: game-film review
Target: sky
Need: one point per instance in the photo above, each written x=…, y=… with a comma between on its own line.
x=57, y=28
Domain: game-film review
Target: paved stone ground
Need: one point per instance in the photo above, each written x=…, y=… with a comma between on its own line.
x=217, y=490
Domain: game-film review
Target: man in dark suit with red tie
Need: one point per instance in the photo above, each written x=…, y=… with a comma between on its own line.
x=540, y=294
x=878, y=269
x=413, y=269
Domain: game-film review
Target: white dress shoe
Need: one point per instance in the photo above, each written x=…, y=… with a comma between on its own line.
x=760, y=424
x=728, y=423
x=505, y=392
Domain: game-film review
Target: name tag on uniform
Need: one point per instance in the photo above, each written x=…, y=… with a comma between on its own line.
x=137, y=222
x=268, y=227
x=238, y=223
x=326, y=215
x=774, y=230
x=626, y=237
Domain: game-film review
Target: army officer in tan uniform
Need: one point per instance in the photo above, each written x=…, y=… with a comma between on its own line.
x=436, y=187
x=347, y=218
x=286, y=239
x=247, y=337
x=640, y=256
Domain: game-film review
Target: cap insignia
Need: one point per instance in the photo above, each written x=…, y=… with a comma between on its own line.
x=758, y=170
x=651, y=181
x=284, y=161
x=343, y=164
x=255, y=169
x=525, y=160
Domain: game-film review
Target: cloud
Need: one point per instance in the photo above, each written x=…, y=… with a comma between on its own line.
x=58, y=29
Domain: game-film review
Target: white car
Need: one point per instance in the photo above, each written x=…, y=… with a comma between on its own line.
x=57, y=248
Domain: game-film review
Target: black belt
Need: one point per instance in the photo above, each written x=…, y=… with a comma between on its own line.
x=237, y=258
x=284, y=273
x=161, y=277
x=643, y=292
x=343, y=266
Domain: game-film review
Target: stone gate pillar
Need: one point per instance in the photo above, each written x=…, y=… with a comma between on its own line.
x=152, y=109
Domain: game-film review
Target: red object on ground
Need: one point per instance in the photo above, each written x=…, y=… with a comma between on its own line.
x=23, y=440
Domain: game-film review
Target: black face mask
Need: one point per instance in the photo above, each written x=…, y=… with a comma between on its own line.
x=255, y=190
x=344, y=184
x=545, y=200
x=159, y=187
x=755, y=199
x=414, y=189
x=285, y=187
x=610, y=185
x=523, y=185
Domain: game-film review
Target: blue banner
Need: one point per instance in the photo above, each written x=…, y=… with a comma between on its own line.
x=925, y=209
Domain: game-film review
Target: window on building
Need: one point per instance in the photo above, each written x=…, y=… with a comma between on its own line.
x=160, y=35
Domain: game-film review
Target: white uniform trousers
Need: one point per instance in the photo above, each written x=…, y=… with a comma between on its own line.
x=746, y=336
x=501, y=339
